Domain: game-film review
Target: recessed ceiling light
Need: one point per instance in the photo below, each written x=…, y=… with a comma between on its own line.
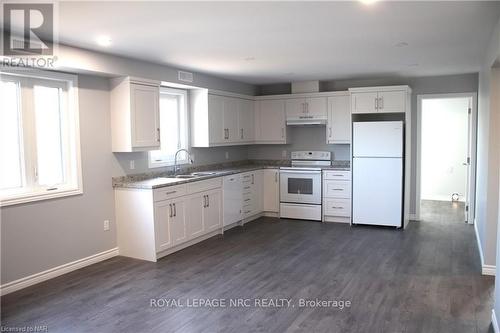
x=103, y=41
x=401, y=44
x=368, y=2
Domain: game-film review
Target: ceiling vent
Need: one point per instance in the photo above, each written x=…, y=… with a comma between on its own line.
x=305, y=87
x=185, y=76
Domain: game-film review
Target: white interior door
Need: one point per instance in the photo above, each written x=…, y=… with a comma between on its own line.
x=377, y=191
x=469, y=218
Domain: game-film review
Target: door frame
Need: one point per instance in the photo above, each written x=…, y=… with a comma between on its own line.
x=473, y=144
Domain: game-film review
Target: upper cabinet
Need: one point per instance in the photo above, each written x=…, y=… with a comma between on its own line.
x=313, y=108
x=270, y=121
x=338, y=129
x=218, y=120
x=391, y=99
x=135, y=121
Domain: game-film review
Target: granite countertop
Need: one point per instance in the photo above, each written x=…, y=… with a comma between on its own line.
x=163, y=179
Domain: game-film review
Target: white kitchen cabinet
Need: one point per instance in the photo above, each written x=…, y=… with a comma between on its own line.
x=246, y=121
x=336, y=196
x=252, y=193
x=154, y=223
x=270, y=182
x=314, y=108
x=162, y=217
x=379, y=99
x=339, y=120
x=135, y=117
x=233, y=199
x=270, y=122
x=218, y=120
x=364, y=102
x=212, y=214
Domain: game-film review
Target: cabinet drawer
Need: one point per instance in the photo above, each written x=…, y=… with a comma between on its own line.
x=337, y=207
x=204, y=185
x=337, y=175
x=169, y=192
x=337, y=189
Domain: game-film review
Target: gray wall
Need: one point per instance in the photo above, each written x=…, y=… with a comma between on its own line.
x=45, y=234
x=301, y=138
x=420, y=85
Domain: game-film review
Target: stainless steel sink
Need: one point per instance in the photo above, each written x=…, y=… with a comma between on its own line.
x=186, y=176
x=204, y=173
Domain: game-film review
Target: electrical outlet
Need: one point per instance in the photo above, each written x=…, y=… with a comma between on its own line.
x=132, y=164
x=106, y=225
x=227, y=155
x=283, y=154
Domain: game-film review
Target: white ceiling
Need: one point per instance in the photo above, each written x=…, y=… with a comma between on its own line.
x=272, y=42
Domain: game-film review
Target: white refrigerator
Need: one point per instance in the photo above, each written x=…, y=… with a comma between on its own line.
x=377, y=173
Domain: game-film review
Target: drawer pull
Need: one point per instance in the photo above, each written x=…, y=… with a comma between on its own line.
x=337, y=207
x=171, y=192
x=247, y=200
x=337, y=175
x=246, y=187
x=338, y=189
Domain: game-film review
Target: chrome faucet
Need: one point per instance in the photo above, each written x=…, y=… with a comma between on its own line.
x=178, y=167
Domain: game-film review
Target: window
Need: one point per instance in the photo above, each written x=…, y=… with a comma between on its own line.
x=39, y=140
x=173, y=128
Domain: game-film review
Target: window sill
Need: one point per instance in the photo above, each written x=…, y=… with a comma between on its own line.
x=38, y=196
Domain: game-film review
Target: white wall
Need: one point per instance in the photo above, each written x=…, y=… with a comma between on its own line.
x=444, y=148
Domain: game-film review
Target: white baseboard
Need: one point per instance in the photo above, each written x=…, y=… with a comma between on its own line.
x=485, y=269
x=56, y=271
x=494, y=321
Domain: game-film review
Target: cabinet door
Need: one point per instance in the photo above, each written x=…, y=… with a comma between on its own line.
x=295, y=108
x=178, y=222
x=364, y=102
x=212, y=217
x=145, y=115
x=391, y=101
x=339, y=120
x=233, y=199
x=216, y=132
x=246, y=120
x=316, y=107
x=231, y=120
x=271, y=190
x=195, y=207
x=272, y=125
x=163, y=214
x=257, y=198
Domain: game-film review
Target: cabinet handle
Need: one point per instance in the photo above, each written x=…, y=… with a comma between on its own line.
x=337, y=207
x=204, y=201
x=246, y=200
x=338, y=189
x=329, y=132
x=175, y=211
x=242, y=133
x=208, y=201
x=171, y=192
x=381, y=103
x=282, y=132
x=376, y=103
x=276, y=177
x=170, y=213
x=158, y=132
x=253, y=179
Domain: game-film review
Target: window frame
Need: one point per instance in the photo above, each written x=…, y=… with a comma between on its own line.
x=73, y=184
x=168, y=163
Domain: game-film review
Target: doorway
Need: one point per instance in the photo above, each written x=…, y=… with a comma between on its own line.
x=446, y=153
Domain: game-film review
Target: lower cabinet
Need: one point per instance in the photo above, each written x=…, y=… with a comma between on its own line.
x=154, y=223
x=336, y=196
x=271, y=190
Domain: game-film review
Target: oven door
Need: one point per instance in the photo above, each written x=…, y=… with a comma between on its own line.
x=300, y=186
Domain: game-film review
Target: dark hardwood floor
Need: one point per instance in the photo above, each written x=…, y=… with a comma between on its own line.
x=423, y=279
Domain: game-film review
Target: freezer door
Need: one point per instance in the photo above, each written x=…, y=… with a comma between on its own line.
x=377, y=191
x=377, y=139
